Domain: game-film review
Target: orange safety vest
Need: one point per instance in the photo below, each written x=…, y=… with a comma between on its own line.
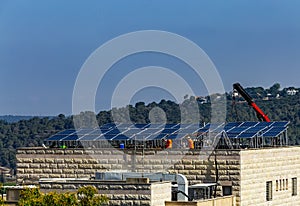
x=191, y=143
x=169, y=143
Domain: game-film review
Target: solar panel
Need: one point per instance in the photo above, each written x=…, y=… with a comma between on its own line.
x=72, y=137
x=84, y=131
x=151, y=130
x=172, y=136
x=280, y=124
x=121, y=137
x=125, y=126
x=140, y=136
x=171, y=125
x=99, y=132
x=56, y=137
x=113, y=132
x=255, y=129
x=274, y=132
x=89, y=137
x=188, y=130
x=156, y=125
x=264, y=124
x=131, y=132
x=169, y=130
x=157, y=137
x=247, y=135
x=106, y=137
x=248, y=124
x=67, y=132
x=141, y=126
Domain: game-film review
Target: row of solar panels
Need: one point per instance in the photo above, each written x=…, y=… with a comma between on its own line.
x=113, y=132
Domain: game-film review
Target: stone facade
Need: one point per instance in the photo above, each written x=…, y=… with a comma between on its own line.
x=119, y=193
x=35, y=163
x=247, y=171
x=275, y=164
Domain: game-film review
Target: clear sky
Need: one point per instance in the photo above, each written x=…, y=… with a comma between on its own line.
x=43, y=45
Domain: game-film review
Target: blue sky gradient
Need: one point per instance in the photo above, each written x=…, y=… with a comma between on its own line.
x=43, y=45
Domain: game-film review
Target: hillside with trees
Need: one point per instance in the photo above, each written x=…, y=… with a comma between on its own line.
x=279, y=105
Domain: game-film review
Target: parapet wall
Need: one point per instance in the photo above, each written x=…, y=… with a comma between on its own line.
x=36, y=163
x=119, y=193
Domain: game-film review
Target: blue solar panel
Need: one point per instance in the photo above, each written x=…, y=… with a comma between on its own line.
x=151, y=130
x=255, y=129
x=264, y=124
x=113, y=132
x=121, y=137
x=140, y=136
x=99, y=132
x=247, y=135
x=84, y=131
x=89, y=137
x=280, y=124
x=72, y=137
x=185, y=126
x=124, y=126
x=172, y=136
x=237, y=130
x=107, y=137
x=188, y=130
x=156, y=125
x=248, y=124
x=67, y=132
x=141, y=126
x=131, y=132
x=56, y=137
x=274, y=132
x=157, y=137
x=169, y=131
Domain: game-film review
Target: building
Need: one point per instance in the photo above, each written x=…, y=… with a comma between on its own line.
x=257, y=167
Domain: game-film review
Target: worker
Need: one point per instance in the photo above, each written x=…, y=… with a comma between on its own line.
x=190, y=143
x=168, y=144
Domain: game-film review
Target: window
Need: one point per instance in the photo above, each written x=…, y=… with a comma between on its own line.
x=227, y=190
x=280, y=184
x=294, y=186
x=269, y=191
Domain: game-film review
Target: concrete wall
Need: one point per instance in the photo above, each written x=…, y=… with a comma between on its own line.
x=35, y=163
x=221, y=201
x=260, y=166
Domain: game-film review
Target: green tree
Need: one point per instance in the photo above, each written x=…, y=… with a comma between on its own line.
x=85, y=196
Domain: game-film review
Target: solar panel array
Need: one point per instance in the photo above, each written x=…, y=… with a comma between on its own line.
x=120, y=132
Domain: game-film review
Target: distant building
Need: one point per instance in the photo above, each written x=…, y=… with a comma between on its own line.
x=291, y=92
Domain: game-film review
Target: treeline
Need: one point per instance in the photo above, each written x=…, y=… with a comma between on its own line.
x=30, y=133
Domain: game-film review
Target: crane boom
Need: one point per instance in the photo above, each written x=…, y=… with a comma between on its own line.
x=260, y=114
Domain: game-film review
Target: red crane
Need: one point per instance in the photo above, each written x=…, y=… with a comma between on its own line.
x=259, y=113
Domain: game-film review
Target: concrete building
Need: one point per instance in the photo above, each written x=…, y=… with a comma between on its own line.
x=258, y=176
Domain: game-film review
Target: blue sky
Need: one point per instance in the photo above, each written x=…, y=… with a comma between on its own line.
x=43, y=45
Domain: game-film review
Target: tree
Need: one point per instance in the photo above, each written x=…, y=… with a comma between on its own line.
x=86, y=196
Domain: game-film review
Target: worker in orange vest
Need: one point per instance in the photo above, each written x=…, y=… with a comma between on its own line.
x=168, y=143
x=190, y=143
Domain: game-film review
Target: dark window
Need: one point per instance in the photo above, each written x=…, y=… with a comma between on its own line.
x=294, y=186
x=269, y=190
x=227, y=190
